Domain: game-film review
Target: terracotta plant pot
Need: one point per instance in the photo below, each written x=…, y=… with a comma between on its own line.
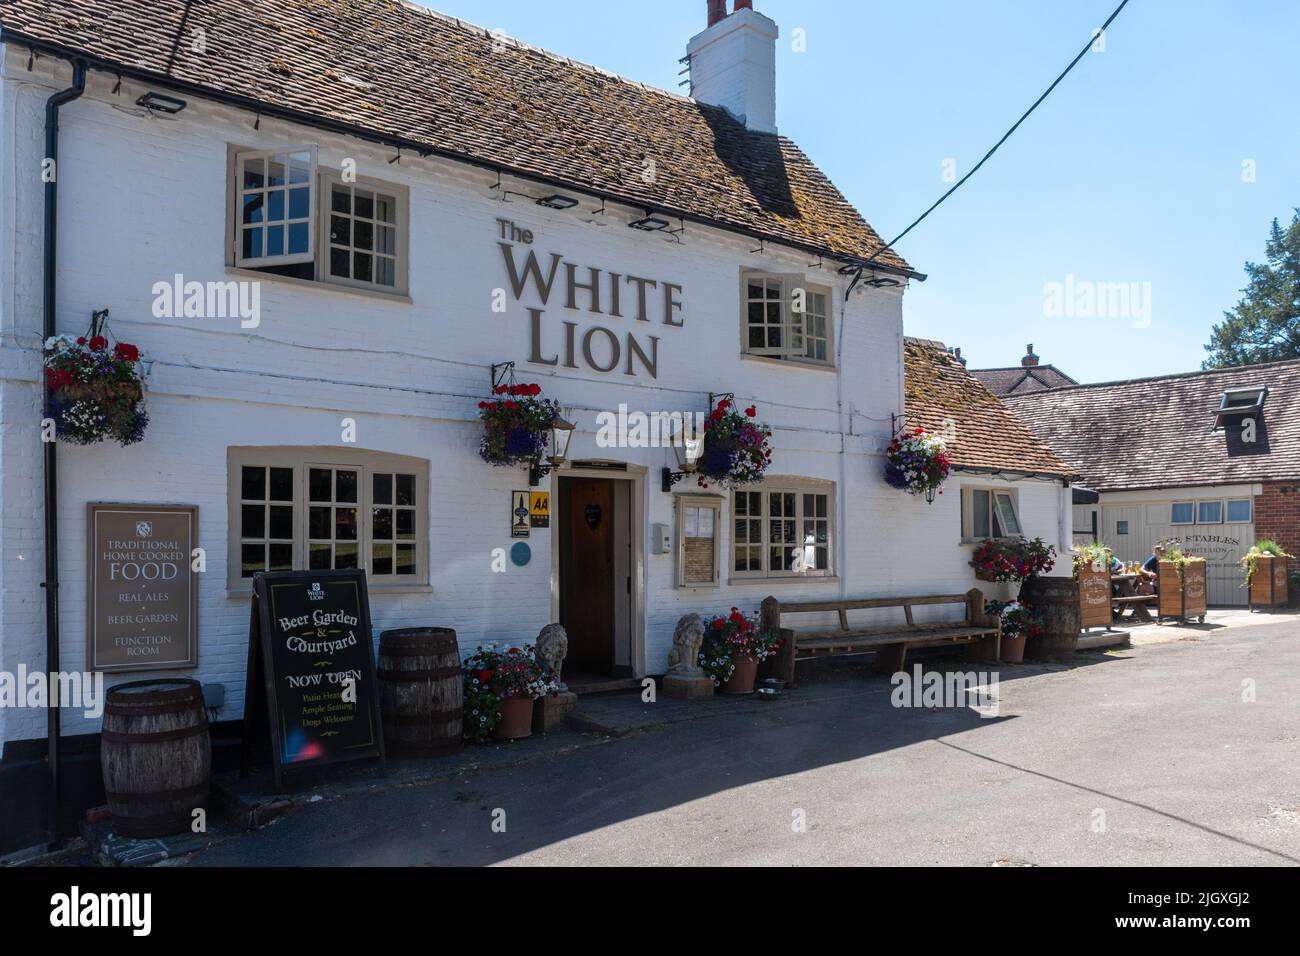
x=742, y=678
x=1013, y=649
x=516, y=719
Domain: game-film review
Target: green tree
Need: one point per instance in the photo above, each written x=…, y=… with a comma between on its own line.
x=1265, y=325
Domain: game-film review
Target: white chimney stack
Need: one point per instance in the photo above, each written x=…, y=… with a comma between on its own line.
x=733, y=64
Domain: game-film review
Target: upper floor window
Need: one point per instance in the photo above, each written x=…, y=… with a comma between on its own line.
x=292, y=218
x=785, y=317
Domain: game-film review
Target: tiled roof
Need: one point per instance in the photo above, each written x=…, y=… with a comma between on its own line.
x=1156, y=432
x=938, y=388
x=401, y=71
x=1021, y=379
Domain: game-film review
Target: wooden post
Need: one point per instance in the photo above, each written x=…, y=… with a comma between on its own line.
x=782, y=664
x=990, y=648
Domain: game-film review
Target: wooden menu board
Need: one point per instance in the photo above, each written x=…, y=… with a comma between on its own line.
x=1094, y=598
x=311, y=675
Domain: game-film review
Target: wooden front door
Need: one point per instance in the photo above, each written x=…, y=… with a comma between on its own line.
x=586, y=517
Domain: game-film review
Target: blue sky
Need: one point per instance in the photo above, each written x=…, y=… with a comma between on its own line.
x=1131, y=172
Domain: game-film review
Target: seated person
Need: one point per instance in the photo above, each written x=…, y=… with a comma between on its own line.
x=1151, y=566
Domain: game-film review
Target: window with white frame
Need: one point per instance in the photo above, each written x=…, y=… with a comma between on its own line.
x=1241, y=510
x=785, y=317
x=1209, y=512
x=989, y=513
x=781, y=532
x=294, y=509
x=292, y=218
x=1182, y=512
x=699, y=534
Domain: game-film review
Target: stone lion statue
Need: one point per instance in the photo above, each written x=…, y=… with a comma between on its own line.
x=552, y=647
x=684, y=658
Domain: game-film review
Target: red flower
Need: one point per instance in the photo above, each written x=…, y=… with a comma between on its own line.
x=98, y=343
x=56, y=378
x=484, y=676
x=126, y=352
x=501, y=389
x=719, y=624
x=751, y=411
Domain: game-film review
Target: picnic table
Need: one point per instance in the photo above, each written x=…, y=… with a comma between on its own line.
x=1127, y=599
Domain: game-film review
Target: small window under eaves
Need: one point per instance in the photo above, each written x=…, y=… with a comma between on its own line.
x=1239, y=401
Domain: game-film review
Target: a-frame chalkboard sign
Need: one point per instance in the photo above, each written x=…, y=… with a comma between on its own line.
x=311, y=672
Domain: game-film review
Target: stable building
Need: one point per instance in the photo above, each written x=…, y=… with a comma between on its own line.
x=1211, y=459
x=330, y=230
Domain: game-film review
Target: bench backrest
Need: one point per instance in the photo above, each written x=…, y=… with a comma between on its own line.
x=774, y=612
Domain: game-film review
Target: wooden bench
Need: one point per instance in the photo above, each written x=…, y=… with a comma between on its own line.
x=890, y=642
x=1137, y=605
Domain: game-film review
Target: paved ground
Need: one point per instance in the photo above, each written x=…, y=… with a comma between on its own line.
x=1146, y=755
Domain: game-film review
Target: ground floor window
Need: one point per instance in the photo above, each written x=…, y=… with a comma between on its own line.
x=989, y=513
x=296, y=509
x=783, y=531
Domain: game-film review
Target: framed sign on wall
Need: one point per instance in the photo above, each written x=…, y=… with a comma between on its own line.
x=142, y=594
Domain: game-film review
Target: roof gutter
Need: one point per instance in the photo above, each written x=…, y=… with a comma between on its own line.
x=424, y=149
x=1014, y=474
x=51, y=583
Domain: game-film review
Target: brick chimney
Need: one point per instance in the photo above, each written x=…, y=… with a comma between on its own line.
x=1030, y=360
x=733, y=64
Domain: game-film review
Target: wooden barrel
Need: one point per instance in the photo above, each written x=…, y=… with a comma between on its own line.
x=420, y=691
x=156, y=756
x=1055, y=603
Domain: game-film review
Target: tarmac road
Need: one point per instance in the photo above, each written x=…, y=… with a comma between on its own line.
x=1154, y=755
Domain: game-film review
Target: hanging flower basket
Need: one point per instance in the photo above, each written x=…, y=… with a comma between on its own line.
x=1012, y=559
x=736, y=450
x=96, y=385
x=917, y=462
x=516, y=425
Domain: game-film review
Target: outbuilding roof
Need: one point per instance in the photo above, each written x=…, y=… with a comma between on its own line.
x=943, y=396
x=1022, y=379
x=400, y=71
x=1159, y=432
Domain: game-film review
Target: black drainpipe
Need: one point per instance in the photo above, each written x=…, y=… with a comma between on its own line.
x=51, y=583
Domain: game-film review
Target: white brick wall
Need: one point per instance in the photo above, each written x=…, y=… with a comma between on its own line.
x=143, y=199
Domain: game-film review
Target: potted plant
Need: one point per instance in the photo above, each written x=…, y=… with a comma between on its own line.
x=736, y=450
x=500, y=687
x=1018, y=625
x=734, y=645
x=516, y=425
x=1266, y=574
x=1182, y=584
x=1012, y=559
x=917, y=462
x=97, y=390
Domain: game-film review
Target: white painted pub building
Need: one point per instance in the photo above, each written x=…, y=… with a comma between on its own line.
x=405, y=201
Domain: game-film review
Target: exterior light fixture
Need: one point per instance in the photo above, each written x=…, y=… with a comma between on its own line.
x=650, y=224
x=561, y=435
x=161, y=103
x=687, y=451
x=557, y=201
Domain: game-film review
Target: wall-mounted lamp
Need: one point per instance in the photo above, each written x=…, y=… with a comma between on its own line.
x=561, y=435
x=687, y=451
x=557, y=201
x=161, y=103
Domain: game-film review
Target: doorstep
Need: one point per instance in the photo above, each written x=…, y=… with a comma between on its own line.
x=586, y=684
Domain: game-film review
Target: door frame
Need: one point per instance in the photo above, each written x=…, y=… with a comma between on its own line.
x=636, y=475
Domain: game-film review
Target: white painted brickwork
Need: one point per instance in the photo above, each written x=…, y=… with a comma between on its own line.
x=143, y=199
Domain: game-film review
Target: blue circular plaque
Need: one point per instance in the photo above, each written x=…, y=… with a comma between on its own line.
x=521, y=554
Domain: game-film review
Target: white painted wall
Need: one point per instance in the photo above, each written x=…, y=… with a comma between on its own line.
x=143, y=199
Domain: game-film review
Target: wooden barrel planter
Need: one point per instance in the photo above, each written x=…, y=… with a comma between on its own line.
x=156, y=756
x=1094, y=598
x=1055, y=603
x=1182, y=595
x=420, y=691
x=1268, y=585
